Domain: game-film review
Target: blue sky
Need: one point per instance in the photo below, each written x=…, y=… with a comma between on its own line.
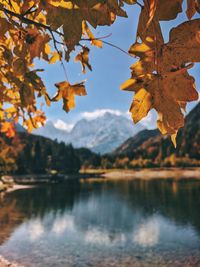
x=110, y=70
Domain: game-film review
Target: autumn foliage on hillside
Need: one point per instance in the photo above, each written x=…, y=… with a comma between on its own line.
x=27, y=154
x=50, y=30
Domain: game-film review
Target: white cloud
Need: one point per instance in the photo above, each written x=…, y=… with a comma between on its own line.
x=100, y=113
x=59, y=124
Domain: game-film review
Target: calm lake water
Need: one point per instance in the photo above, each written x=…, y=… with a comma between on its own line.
x=103, y=223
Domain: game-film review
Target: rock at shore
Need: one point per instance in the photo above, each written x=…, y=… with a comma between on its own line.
x=5, y=263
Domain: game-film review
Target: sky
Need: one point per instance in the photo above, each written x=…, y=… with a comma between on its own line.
x=111, y=68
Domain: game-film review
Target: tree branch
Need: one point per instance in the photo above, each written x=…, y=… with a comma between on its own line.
x=29, y=21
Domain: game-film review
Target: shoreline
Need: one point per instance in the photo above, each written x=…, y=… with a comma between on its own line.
x=149, y=174
x=6, y=263
x=29, y=181
x=18, y=187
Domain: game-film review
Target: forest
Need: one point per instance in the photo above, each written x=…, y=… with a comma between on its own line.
x=27, y=154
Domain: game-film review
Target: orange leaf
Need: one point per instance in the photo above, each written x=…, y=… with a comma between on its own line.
x=191, y=8
x=8, y=128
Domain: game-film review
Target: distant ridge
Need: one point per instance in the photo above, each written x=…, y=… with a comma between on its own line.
x=150, y=144
x=134, y=142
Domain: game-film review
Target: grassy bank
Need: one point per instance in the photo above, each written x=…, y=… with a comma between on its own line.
x=159, y=173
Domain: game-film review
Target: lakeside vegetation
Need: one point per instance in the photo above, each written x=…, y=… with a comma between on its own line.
x=29, y=154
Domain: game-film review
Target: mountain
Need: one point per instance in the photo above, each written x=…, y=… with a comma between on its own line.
x=19, y=128
x=50, y=131
x=101, y=135
x=151, y=145
x=134, y=142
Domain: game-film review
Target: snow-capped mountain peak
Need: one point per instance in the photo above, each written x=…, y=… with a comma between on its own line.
x=102, y=134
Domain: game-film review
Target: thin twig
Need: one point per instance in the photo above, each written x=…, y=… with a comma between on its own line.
x=139, y=4
x=56, y=48
x=110, y=44
x=98, y=38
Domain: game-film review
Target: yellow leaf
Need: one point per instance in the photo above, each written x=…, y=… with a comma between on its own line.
x=64, y=4
x=139, y=49
x=48, y=100
x=86, y=30
x=128, y=85
x=8, y=128
x=12, y=5
x=141, y=105
x=29, y=125
x=47, y=49
x=67, y=92
x=84, y=59
x=173, y=138
x=55, y=57
x=162, y=71
x=134, y=84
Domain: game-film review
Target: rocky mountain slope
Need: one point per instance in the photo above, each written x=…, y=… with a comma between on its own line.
x=150, y=144
x=101, y=135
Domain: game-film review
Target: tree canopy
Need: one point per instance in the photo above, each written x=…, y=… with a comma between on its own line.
x=51, y=29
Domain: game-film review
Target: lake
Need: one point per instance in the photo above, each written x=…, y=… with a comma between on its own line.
x=103, y=223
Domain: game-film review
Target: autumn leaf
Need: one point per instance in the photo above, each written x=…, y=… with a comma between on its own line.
x=27, y=95
x=90, y=35
x=168, y=10
x=36, y=43
x=72, y=29
x=84, y=59
x=55, y=56
x=19, y=66
x=67, y=92
x=8, y=128
x=34, y=121
x=160, y=78
x=141, y=105
x=191, y=8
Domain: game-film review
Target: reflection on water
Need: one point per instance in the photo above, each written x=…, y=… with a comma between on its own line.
x=147, y=233
x=107, y=223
